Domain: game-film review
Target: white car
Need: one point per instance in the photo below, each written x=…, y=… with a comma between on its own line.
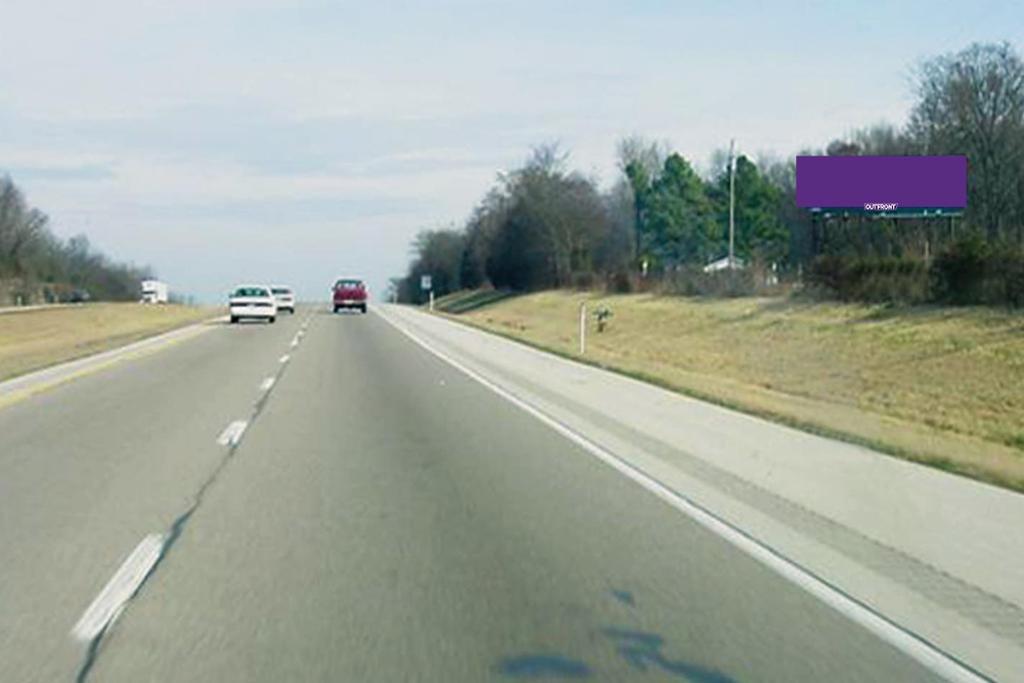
x=252, y=301
x=285, y=298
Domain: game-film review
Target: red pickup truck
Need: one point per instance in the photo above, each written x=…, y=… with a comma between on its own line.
x=349, y=293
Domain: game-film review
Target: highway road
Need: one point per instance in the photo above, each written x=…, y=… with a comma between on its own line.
x=381, y=516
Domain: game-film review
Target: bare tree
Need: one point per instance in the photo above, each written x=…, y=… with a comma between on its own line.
x=641, y=162
x=882, y=139
x=972, y=103
x=646, y=154
x=35, y=263
x=12, y=213
x=842, y=148
x=562, y=211
x=21, y=229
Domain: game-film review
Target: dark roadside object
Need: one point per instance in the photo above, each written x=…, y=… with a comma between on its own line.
x=602, y=314
x=79, y=296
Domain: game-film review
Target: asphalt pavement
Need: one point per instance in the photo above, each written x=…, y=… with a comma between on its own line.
x=379, y=515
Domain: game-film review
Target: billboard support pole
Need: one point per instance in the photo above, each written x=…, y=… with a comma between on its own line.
x=814, y=235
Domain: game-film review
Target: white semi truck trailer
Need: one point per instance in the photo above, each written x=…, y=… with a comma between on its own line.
x=154, y=292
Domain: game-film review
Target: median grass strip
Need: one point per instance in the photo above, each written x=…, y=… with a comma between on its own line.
x=37, y=339
x=939, y=386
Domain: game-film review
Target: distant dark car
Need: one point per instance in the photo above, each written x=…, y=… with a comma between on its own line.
x=78, y=296
x=349, y=293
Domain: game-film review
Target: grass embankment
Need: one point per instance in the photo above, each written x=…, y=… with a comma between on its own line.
x=35, y=339
x=463, y=302
x=936, y=385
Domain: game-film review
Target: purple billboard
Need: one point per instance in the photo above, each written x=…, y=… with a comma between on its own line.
x=885, y=184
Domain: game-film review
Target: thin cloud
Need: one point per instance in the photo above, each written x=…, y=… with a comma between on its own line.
x=87, y=172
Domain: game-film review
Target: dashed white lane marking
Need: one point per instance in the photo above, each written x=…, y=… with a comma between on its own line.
x=106, y=607
x=232, y=434
x=903, y=640
x=121, y=587
x=284, y=359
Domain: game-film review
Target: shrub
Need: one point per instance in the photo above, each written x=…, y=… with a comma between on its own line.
x=969, y=271
x=973, y=271
x=1013, y=280
x=621, y=282
x=875, y=279
x=583, y=280
x=958, y=273
x=693, y=281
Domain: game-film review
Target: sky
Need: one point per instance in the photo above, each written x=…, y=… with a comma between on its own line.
x=229, y=141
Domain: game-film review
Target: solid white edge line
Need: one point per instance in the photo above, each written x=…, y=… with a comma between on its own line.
x=232, y=434
x=267, y=384
x=925, y=653
x=120, y=588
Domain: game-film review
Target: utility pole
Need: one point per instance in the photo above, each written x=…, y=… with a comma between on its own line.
x=732, y=205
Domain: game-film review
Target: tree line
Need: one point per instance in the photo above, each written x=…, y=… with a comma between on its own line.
x=36, y=266
x=662, y=221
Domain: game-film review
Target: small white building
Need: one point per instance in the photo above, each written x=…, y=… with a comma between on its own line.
x=723, y=264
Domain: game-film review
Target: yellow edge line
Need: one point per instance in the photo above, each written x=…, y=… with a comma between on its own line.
x=45, y=385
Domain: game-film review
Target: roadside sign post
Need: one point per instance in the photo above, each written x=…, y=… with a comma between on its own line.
x=427, y=285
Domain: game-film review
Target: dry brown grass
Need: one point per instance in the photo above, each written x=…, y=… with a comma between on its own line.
x=939, y=385
x=35, y=339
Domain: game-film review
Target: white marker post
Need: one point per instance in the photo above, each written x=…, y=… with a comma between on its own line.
x=583, y=327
